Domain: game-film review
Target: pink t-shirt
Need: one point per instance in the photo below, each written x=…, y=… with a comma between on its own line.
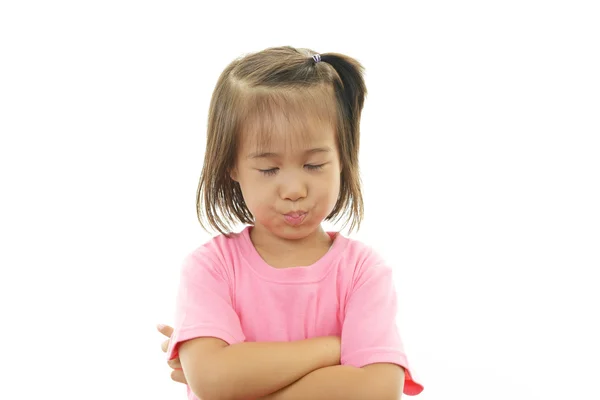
x=228, y=291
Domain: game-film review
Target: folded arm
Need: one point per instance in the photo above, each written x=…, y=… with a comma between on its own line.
x=215, y=370
x=372, y=382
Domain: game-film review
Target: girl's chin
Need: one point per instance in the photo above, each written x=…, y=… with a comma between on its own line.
x=297, y=232
x=286, y=231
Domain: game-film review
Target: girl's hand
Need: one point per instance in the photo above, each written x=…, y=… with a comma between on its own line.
x=177, y=373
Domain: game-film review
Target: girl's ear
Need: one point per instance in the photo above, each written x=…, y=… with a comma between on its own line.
x=233, y=173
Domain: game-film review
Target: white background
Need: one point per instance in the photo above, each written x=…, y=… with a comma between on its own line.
x=480, y=162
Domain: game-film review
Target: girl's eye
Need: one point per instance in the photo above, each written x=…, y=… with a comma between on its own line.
x=314, y=167
x=268, y=172
x=273, y=171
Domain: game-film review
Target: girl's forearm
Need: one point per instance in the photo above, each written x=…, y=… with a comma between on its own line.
x=343, y=383
x=254, y=369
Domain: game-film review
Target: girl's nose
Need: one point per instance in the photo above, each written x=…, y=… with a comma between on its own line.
x=292, y=188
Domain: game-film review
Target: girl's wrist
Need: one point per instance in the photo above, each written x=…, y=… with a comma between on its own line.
x=329, y=348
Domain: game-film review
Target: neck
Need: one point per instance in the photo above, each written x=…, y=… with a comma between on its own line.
x=266, y=242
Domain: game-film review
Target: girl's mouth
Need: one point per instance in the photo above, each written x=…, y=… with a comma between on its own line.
x=294, y=218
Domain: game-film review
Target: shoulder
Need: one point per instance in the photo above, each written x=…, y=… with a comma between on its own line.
x=363, y=259
x=213, y=256
x=361, y=251
x=369, y=291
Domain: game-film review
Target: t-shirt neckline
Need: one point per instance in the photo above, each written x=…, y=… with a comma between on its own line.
x=301, y=274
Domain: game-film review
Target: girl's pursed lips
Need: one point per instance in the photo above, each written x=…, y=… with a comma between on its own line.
x=295, y=213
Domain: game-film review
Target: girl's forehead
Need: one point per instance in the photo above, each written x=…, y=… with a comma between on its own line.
x=286, y=120
x=286, y=133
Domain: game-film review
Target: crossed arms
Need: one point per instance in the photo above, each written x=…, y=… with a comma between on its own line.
x=298, y=370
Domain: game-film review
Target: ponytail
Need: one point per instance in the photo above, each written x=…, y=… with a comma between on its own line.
x=350, y=91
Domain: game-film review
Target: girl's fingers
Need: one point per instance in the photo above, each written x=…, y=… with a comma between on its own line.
x=174, y=363
x=177, y=376
x=177, y=373
x=164, y=345
x=165, y=329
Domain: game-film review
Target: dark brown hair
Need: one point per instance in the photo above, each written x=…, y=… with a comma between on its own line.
x=259, y=85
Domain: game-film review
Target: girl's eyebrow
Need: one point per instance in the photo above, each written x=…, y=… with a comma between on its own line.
x=276, y=155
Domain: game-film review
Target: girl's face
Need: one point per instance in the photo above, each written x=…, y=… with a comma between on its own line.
x=293, y=185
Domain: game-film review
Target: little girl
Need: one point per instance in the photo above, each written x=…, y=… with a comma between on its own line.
x=284, y=309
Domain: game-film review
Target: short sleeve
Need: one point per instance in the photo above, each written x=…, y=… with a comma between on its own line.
x=369, y=332
x=204, y=306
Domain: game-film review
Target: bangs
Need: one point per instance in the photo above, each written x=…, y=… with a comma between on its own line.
x=300, y=115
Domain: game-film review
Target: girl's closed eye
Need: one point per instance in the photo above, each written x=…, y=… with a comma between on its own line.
x=271, y=171
x=310, y=167
x=314, y=167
